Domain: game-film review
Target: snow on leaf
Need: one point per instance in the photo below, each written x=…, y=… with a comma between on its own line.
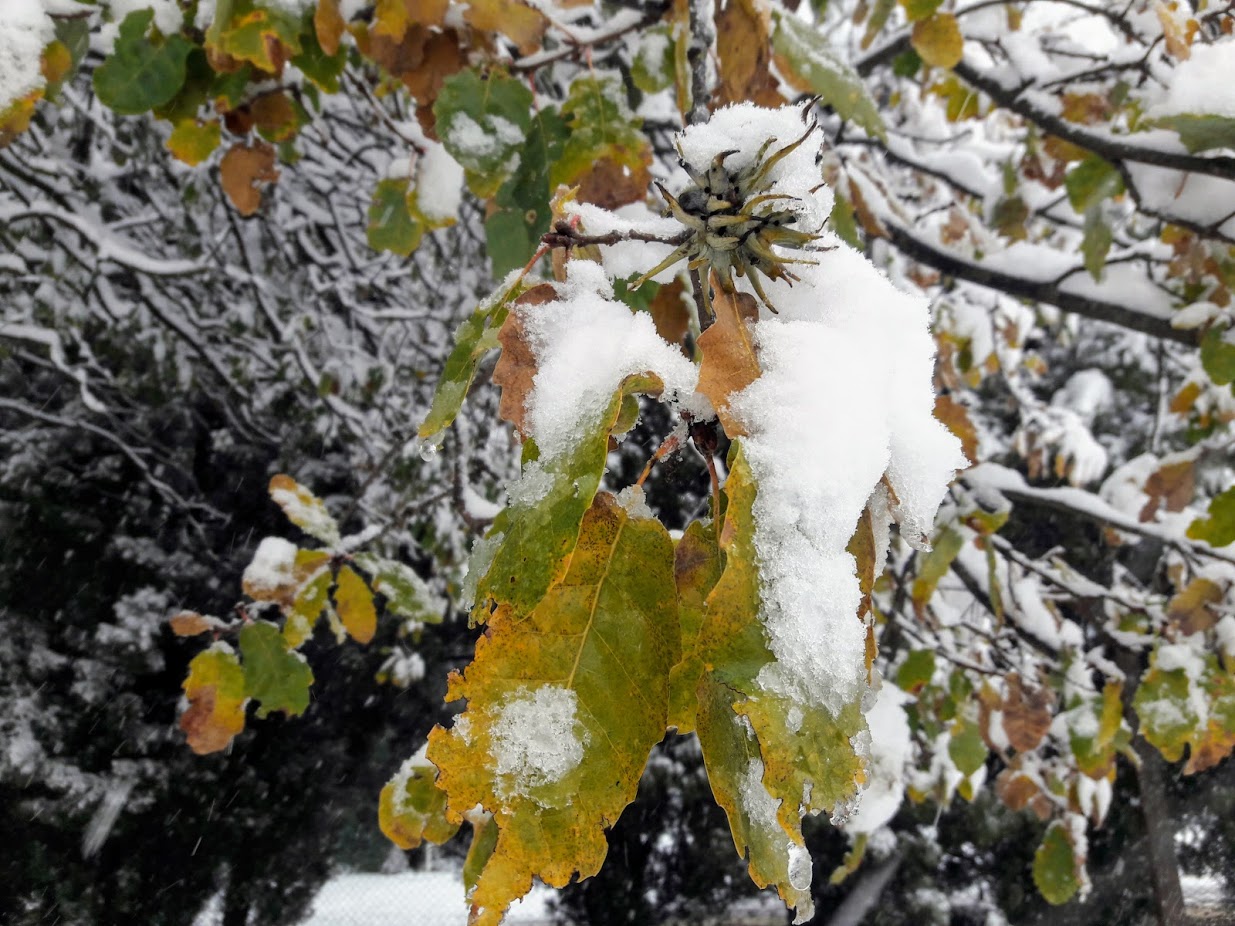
x=810, y=64
x=730, y=359
x=1201, y=131
x=595, y=652
x=215, y=688
x=516, y=368
x=141, y=73
x=1167, y=716
x=1056, y=869
x=312, y=597
x=412, y=808
x=274, y=676
x=483, y=122
x=354, y=602
x=271, y=576
x=1194, y=607
x=304, y=509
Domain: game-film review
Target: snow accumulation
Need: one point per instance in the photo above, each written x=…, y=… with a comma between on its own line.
x=891, y=750
x=24, y=31
x=1205, y=83
x=537, y=739
x=585, y=344
x=273, y=566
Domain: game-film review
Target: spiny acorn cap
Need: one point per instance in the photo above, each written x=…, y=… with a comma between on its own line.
x=743, y=204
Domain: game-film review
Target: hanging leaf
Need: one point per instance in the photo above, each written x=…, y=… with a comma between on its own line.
x=938, y=41
x=274, y=676
x=215, y=688
x=1218, y=529
x=1056, y=871
x=697, y=566
x=412, y=808
x=565, y=701
x=743, y=29
x=304, y=509
x=810, y=64
x=1027, y=714
x=354, y=602
x=516, y=368
x=192, y=141
x=935, y=565
x=730, y=360
x=243, y=167
x=1090, y=182
x=406, y=593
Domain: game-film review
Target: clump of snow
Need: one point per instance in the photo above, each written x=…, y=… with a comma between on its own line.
x=891, y=749
x=633, y=499
x=273, y=567
x=845, y=397
x=629, y=258
x=585, y=344
x=24, y=31
x=745, y=127
x=1205, y=83
x=439, y=184
x=537, y=738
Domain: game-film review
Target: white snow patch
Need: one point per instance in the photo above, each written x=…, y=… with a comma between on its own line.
x=24, y=31
x=537, y=739
x=439, y=186
x=273, y=566
x=891, y=750
x=1205, y=83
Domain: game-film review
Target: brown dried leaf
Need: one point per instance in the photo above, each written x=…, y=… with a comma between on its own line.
x=275, y=116
x=1026, y=714
x=743, y=44
x=670, y=313
x=1015, y=789
x=242, y=169
x=611, y=183
x=1193, y=608
x=1172, y=485
x=1176, y=43
x=870, y=222
x=730, y=361
x=189, y=624
x=516, y=368
x=955, y=417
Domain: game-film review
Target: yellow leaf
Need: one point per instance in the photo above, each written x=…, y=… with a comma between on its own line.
x=938, y=40
x=216, y=691
x=519, y=22
x=329, y=24
x=355, y=603
x=1194, y=608
x=192, y=141
x=730, y=360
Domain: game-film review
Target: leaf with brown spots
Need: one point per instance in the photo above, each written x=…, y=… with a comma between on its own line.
x=730, y=360
x=516, y=368
x=242, y=169
x=215, y=688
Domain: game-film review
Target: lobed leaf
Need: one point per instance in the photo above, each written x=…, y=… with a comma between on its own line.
x=274, y=675
x=217, y=696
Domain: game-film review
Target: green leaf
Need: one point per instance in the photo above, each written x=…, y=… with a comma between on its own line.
x=1201, y=131
x=274, y=676
x=475, y=337
x=965, y=747
x=141, y=73
x=323, y=69
x=1218, y=355
x=811, y=65
x=652, y=69
x=806, y=758
x=588, y=668
x=916, y=672
x=215, y=688
x=935, y=565
x=843, y=221
x=1055, y=867
x=483, y=122
x=1218, y=529
x=513, y=232
x=920, y=9
x=405, y=592
x=1090, y=182
x=536, y=538
x=602, y=129
x=412, y=808
x=392, y=225
x=1096, y=243
x=1167, y=718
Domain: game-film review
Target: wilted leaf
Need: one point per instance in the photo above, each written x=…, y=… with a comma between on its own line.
x=354, y=602
x=277, y=117
x=243, y=167
x=412, y=808
x=141, y=73
x=1015, y=789
x=810, y=64
x=592, y=660
x=1056, y=870
x=938, y=40
x=274, y=676
x=516, y=368
x=216, y=692
x=1193, y=608
x=669, y=311
x=730, y=360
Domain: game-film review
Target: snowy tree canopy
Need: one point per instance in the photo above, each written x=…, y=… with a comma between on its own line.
x=913, y=317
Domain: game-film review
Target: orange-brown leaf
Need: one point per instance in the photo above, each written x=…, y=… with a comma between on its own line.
x=743, y=44
x=329, y=24
x=242, y=169
x=516, y=368
x=730, y=360
x=1171, y=486
x=1194, y=607
x=616, y=181
x=189, y=624
x=215, y=689
x=1026, y=714
x=669, y=312
x=955, y=417
x=1015, y=789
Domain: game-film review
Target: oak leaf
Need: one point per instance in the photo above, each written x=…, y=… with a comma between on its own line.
x=215, y=688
